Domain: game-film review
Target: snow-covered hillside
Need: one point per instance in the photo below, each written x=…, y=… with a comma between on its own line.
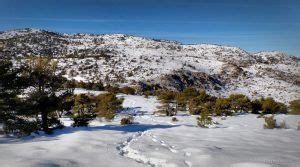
x=238, y=141
x=127, y=60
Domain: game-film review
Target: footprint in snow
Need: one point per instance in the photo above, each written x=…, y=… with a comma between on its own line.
x=188, y=163
x=153, y=139
x=187, y=154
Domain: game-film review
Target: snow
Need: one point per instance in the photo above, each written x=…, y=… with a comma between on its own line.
x=237, y=141
x=147, y=60
x=85, y=91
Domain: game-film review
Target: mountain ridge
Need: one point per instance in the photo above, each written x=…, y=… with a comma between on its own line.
x=127, y=60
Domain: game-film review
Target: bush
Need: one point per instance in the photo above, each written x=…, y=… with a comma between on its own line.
x=190, y=92
x=112, y=89
x=256, y=106
x=239, y=102
x=204, y=119
x=127, y=120
x=83, y=111
x=195, y=106
x=270, y=122
x=270, y=106
x=98, y=86
x=128, y=90
x=107, y=105
x=222, y=107
x=20, y=127
x=282, y=108
x=295, y=107
x=55, y=123
x=81, y=121
x=166, y=96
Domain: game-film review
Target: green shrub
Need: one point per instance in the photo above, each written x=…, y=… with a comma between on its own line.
x=107, y=105
x=222, y=107
x=166, y=96
x=190, y=92
x=202, y=102
x=270, y=106
x=112, y=89
x=128, y=90
x=83, y=111
x=295, y=107
x=204, y=120
x=239, y=102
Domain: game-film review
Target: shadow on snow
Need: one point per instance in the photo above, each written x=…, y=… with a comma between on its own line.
x=68, y=130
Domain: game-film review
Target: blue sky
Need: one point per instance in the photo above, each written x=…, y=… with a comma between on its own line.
x=253, y=25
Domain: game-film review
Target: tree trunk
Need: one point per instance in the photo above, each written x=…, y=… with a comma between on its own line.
x=45, y=122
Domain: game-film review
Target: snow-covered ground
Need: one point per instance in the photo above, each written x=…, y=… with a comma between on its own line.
x=238, y=141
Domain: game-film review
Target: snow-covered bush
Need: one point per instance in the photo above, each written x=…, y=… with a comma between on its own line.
x=270, y=122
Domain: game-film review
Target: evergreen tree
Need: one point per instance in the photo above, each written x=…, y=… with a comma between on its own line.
x=11, y=85
x=83, y=110
x=295, y=107
x=107, y=105
x=44, y=83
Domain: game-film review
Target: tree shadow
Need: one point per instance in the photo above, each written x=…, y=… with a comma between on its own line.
x=132, y=111
x=68, y=130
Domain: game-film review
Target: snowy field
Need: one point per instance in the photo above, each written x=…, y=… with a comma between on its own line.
x=238, y=141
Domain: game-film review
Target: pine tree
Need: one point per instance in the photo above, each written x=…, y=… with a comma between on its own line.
x=107, y=105
x=44, y=82
x=10, y=87
x=83, y=110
